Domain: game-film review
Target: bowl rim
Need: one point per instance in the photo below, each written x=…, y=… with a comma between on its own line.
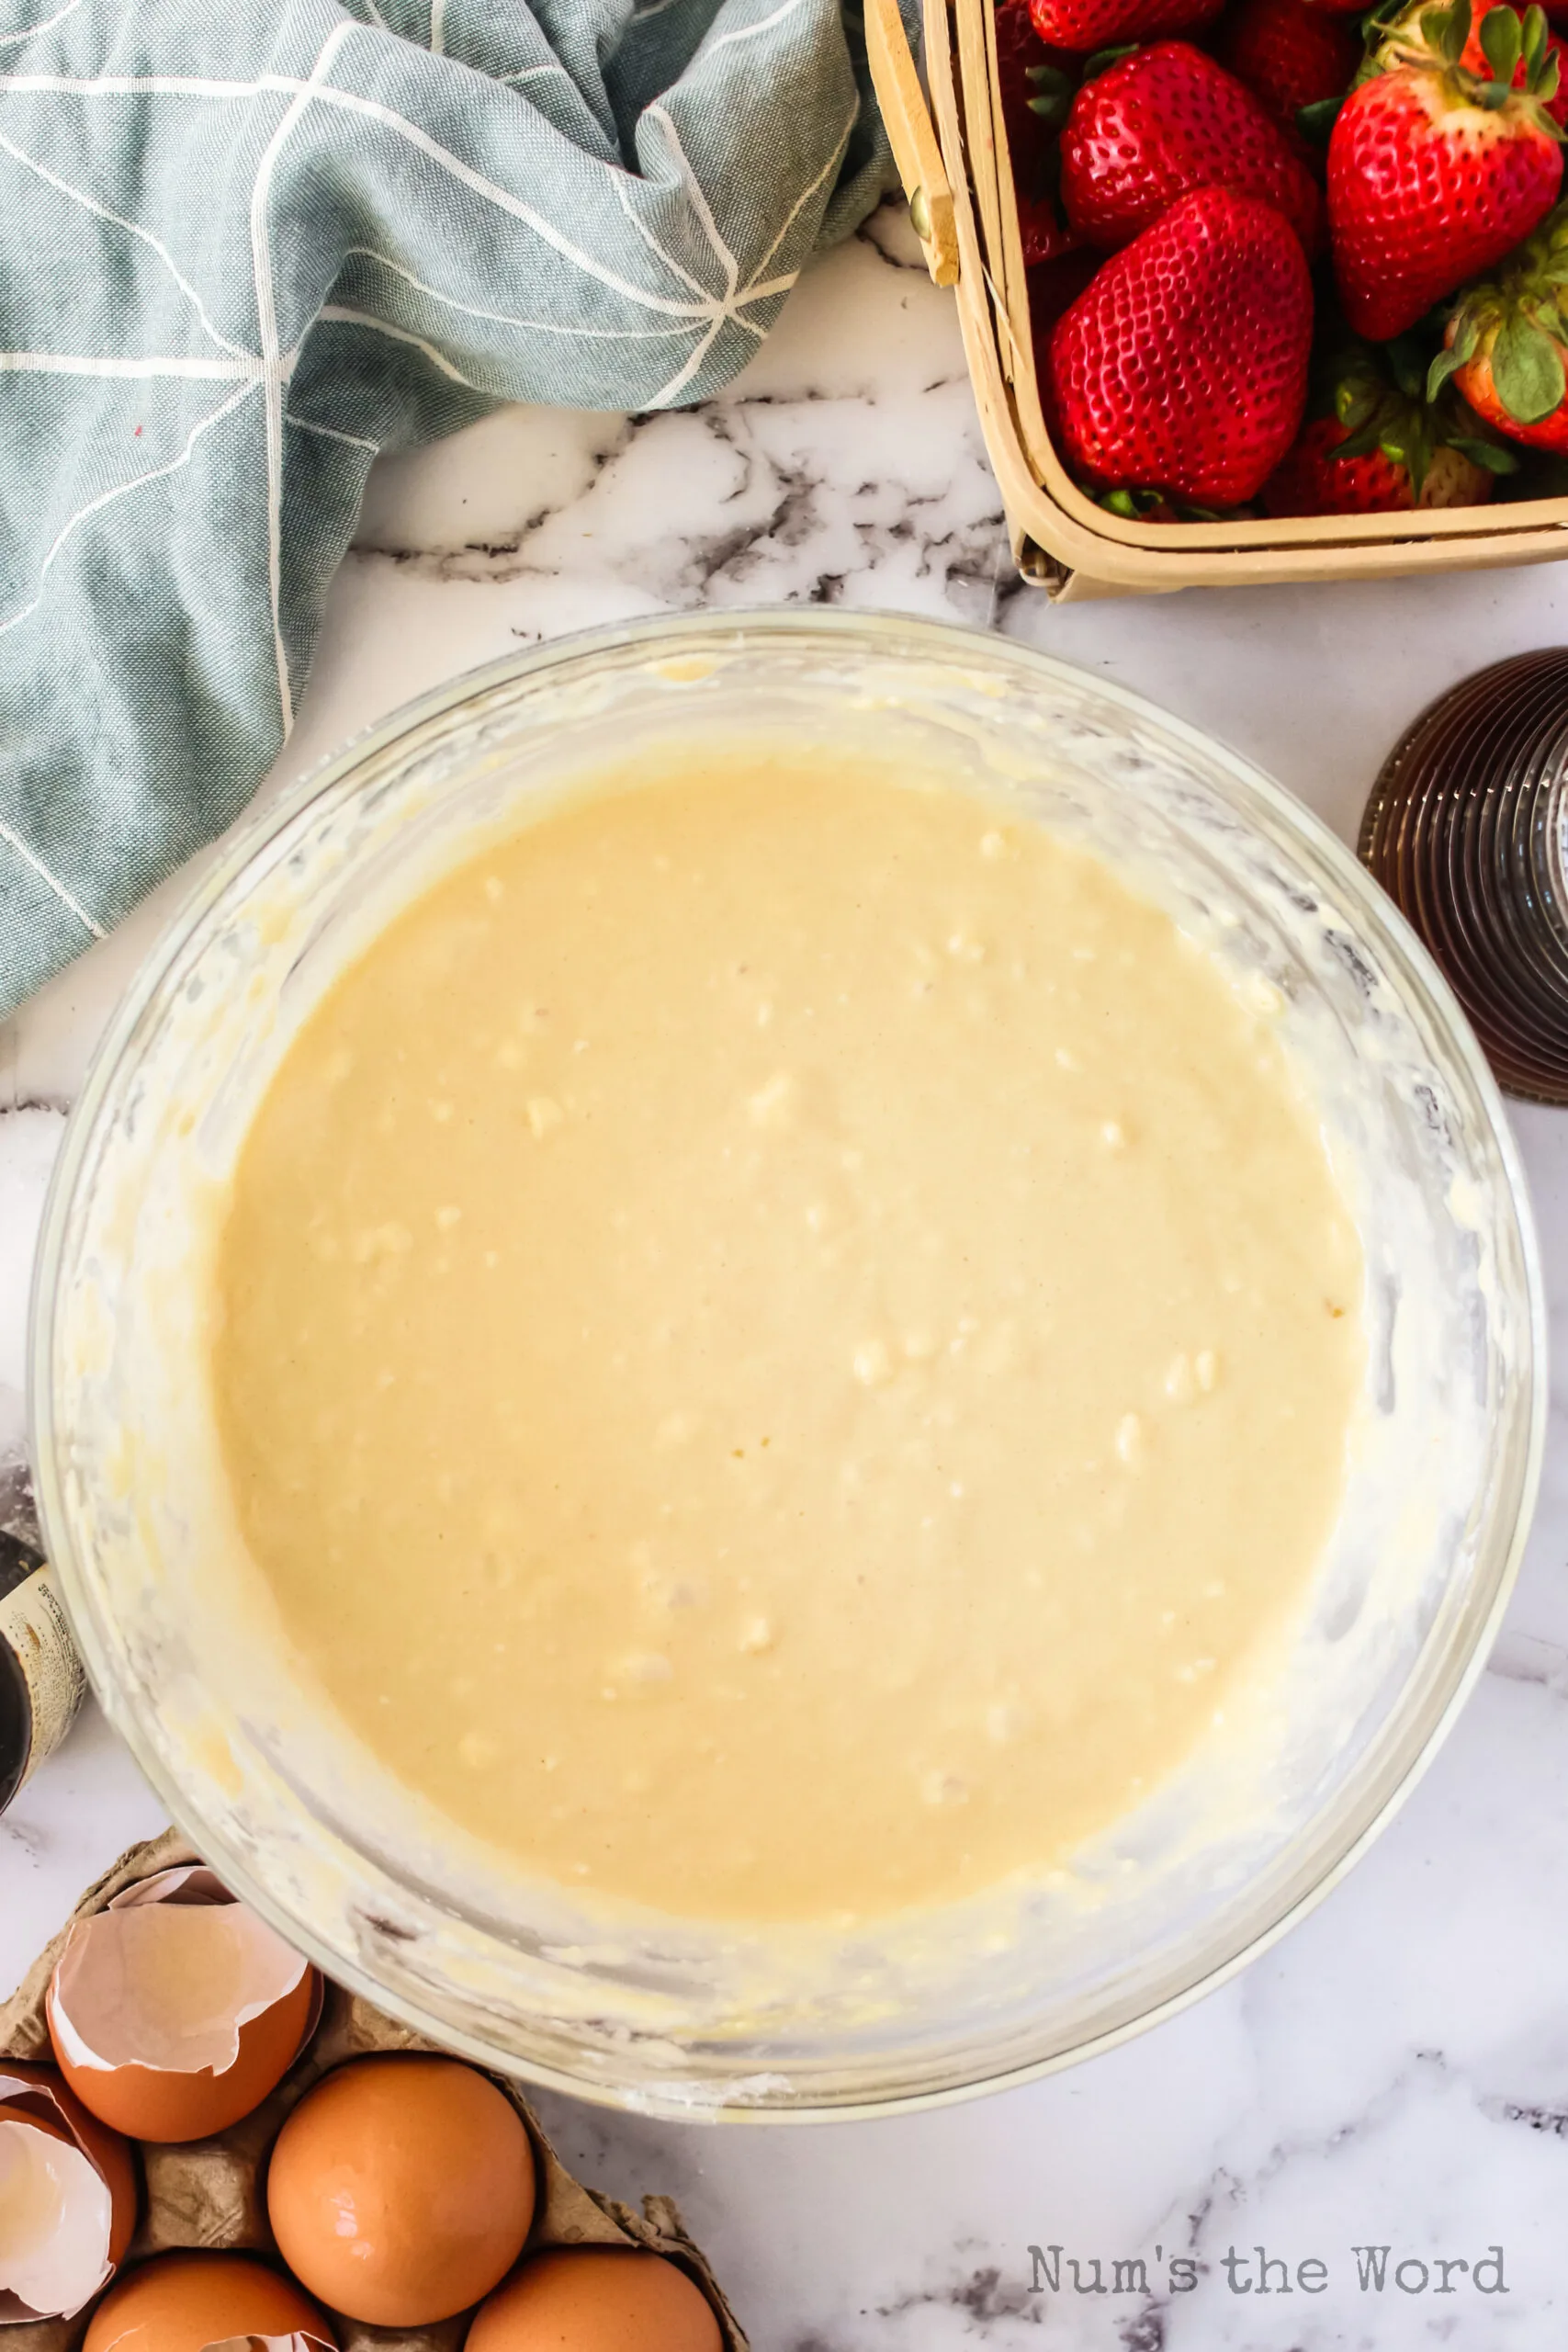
x=255, y=833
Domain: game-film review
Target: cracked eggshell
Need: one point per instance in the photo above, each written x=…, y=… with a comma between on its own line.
x=67, y=2197
x=295, y=2343
x=199, y=2303
x=175, y=2012
x=596, y=2299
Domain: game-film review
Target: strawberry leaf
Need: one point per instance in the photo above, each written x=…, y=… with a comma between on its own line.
x=1454, y=23
x=1500, y=41
x=1534, y=42
x=1104, y=59
x=1317, y=121
x=1415, y=456
x=1442, y=368
x=1359, y=443
x=1489, y=454
x=1435, y=31
x=1527, y=369
x=1404, y=363
x=1053, y=93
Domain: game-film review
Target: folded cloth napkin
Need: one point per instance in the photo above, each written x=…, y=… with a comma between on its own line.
x=246, y=246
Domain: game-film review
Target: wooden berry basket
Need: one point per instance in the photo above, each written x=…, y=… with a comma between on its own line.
x=958, y=178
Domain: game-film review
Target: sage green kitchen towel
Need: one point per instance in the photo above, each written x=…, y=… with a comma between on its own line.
x=246, y=246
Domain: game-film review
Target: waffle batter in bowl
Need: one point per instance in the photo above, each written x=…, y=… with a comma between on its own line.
x=832, y=1365
x=811, y=1318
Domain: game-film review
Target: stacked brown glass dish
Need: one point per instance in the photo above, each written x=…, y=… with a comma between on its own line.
x=1467, y=830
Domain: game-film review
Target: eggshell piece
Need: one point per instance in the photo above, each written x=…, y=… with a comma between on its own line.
x=292, y=2342
x=28, y=2084
x=57, y=2222
x=186, y=2303
x=167, y=2105
x=596, y=2299
x=401, y=2189
x=67, y=2195
x=173, y=2015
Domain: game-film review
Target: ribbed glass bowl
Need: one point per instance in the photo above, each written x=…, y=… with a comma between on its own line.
x=662, y=2014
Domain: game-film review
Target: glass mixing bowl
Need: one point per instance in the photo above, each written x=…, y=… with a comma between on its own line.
x=657, y=2013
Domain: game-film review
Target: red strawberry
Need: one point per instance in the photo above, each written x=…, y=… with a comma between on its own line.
x=1507, y=342
x=1057, y=263
x=1435, y=173
x=1164, y=122
x=1045, y=235
x=1377, y=446
x=1338, y=8
x=1288, y=55
x=1184, y=367
x=1085, y=25
x=1317, y=479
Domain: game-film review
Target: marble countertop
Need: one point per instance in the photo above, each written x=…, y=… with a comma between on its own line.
x=1395, y=2073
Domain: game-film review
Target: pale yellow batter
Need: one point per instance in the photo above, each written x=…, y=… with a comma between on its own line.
x=781, y=1338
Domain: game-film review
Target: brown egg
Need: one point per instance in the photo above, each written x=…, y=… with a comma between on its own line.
x=183, y=2302
x=149, y=2103
x=596, y=2299
x=401, y=2189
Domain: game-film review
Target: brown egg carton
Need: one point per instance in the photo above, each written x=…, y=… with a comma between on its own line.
x=211, y=2194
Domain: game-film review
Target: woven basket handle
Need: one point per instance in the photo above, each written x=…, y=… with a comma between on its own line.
x=912, y=134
